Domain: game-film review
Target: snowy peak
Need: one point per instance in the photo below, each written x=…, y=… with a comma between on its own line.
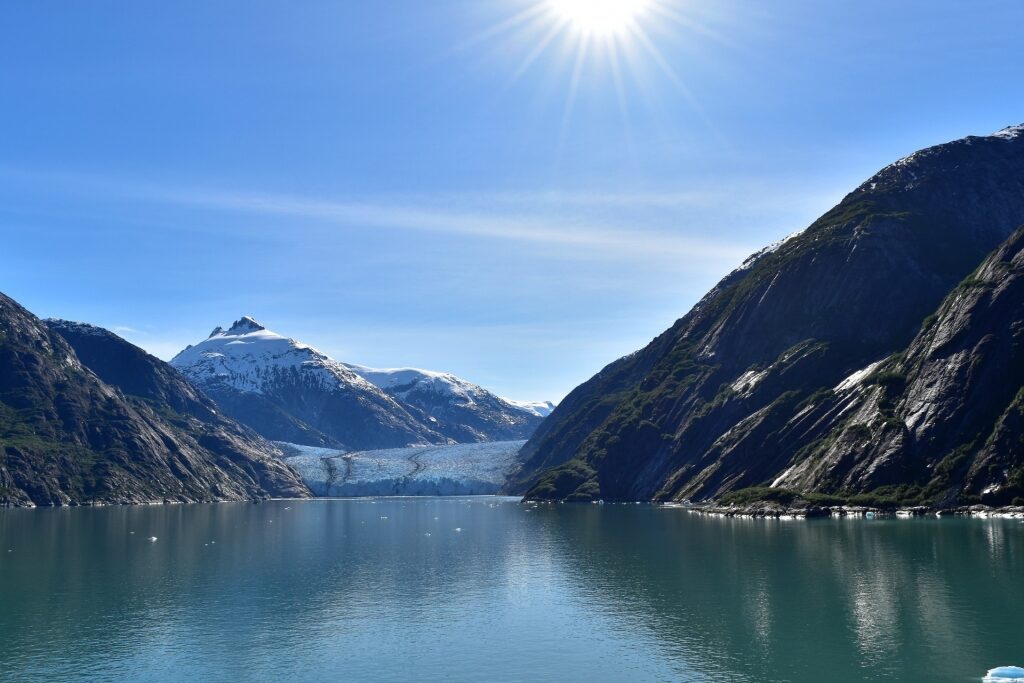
x=402, y=381
x=1010, y=132
x=245, y=325
x=538, y=408
x=462, y=410
x=289, y=391
x=248, y=355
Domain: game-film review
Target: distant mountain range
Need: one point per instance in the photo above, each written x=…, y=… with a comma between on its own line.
x=88, y=418
x=289, y=391
x=85, y=417
x=876, y=355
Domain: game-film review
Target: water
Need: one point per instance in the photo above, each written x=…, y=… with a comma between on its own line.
x=330, y=589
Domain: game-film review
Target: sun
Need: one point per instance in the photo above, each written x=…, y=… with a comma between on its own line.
x=600, y=17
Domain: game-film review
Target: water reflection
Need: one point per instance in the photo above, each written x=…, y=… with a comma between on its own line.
x=766, y=601
x=388, y=590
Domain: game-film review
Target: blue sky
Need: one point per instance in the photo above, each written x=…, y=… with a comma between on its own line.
x=463, y=185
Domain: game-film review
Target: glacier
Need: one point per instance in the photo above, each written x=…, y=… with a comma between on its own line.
x=462, y=469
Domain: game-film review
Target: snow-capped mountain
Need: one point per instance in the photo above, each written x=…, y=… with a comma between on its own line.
x=459, y=409
x=538, y=408
x=289, y=391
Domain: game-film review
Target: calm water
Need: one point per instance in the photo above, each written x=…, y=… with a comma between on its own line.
x=389, y=590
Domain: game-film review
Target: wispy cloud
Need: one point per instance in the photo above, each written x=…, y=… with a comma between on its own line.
x=525, y=227
x=569, y=219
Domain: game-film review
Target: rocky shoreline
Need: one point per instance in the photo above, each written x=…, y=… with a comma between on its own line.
x=777, y=511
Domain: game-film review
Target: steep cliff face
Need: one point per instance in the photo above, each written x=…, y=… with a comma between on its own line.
x=940, y=421
x=69, y=437
x=708, y=406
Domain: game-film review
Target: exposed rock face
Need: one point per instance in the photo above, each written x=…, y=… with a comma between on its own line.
x=143, y=435
x=737, y=390
x=942, y=419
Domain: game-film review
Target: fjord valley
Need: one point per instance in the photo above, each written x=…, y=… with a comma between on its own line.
x=519, y=340
x=871, y=358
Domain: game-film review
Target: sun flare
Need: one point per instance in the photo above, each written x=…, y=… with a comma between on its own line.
x=600, y=17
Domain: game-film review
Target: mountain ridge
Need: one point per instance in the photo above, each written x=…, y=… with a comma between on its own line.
x=70, y=437
x=289, y=391
x=791, y=321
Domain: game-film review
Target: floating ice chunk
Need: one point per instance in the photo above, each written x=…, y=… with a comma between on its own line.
x=458, y=528
x=1002, y=674
x=152, y=539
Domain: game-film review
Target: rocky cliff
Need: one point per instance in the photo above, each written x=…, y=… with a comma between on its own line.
x=129, y=432
x=710, y=406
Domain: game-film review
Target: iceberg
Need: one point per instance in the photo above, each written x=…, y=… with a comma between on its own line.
x=1004, y=674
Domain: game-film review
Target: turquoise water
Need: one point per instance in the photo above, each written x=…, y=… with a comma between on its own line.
x=331, y=590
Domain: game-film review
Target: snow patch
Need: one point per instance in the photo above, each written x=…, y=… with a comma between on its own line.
x=856, y=378
x=771, y=248
x=1010, y=132
x=538, y=408
x=746, y=382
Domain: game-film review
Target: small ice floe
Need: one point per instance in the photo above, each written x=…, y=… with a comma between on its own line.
x=458, y=528
x=131, y=532
x=152, y=539
x=288, y=508
x=384, y=517
x=1004, y=674
x=427, y=534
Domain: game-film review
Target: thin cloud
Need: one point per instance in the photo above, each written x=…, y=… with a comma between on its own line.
x=557, y=219
x=530, y=228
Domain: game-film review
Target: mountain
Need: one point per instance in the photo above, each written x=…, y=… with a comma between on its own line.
x=458, y=409
x=130, y=431
x=288, y=391
x=709, y=406
x=942, y=421
x=538, y=408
